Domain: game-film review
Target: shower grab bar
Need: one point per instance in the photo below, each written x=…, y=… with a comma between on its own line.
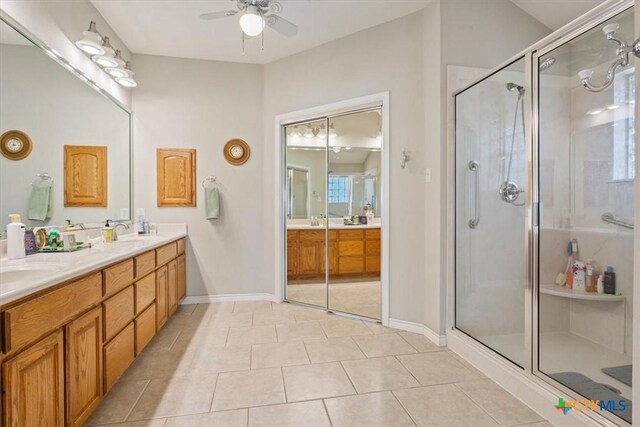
x=475, y=167
x=611, y=219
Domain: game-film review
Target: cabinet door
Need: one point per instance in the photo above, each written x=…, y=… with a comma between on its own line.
x=176, y=177
x=34, y=385
x=182, y=277
x=309, y=258
x=172, y=287
x=161, y=296
x=84, y=366
x=85, y=175
x=292, y=258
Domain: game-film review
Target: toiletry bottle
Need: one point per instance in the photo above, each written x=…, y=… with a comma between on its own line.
x=15, y=238
x=589, y=285
x=609, y=281
x=107, y=233
x=600, y=284
x=140, y=221
x=579, y=279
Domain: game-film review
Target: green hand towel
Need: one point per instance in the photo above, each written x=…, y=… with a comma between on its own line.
x=211, y=202
x=40, y=203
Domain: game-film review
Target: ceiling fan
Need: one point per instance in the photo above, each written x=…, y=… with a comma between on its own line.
x=255, y=15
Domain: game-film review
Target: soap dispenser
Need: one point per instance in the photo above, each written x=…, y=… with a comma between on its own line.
x=15, y=238
x=107, y=233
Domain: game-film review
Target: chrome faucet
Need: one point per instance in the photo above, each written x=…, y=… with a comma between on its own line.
x=115, y=227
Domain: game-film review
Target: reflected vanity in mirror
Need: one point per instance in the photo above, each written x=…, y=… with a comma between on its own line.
x=79, y=165
x=333, y=212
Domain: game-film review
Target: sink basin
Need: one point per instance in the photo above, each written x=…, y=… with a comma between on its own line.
x=17, y=273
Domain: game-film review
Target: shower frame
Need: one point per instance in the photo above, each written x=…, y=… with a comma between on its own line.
x=530, y=371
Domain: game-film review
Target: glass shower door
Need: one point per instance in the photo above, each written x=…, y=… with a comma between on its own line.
x=491, y=217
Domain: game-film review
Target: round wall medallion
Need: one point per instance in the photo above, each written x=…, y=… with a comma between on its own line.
x=15, y=145
x=236, y=151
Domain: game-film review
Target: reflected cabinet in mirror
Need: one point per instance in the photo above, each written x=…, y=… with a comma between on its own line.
x=78, y=168
x=333, y=181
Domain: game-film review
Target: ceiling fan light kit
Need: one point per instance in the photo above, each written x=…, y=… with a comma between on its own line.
x=255, y=16
x=102, y=53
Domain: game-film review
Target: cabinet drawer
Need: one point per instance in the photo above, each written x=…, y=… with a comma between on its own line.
x=145, y=328
x=118, y=277
x=351, y=234
x=372, y=264
x=118, y=355
x=28, y=321
x=181, y=244
x=349, y=248
x=313, y=236
x=118, y=311
x=372, y=247
x=166, y=253
x=145, y=292
x=145, y=263
x=373, y=234
x=350, y=265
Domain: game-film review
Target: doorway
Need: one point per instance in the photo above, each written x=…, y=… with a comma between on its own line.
x=334, y=226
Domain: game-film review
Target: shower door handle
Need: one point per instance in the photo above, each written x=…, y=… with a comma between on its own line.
x=475, y=167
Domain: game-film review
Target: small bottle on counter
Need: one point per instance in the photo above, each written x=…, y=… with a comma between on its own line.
x=15, y=238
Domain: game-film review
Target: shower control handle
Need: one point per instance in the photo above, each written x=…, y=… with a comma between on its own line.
x=475, y=167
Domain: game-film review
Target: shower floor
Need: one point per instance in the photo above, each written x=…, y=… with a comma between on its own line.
x=566, y=352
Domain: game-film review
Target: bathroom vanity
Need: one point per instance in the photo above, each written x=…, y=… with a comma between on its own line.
x=72, y=323
x=353, y=250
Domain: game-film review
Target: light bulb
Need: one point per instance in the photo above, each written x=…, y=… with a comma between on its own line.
x=336, y=149
x=104, y=61
x=251, y=22
x=309, y=134
x=612, y=107
x=91, y=41
x=595, y=111
x=116, y=72
x=127, y=81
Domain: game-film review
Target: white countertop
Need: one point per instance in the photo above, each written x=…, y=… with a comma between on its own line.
x=331, y=226
x=43, y=270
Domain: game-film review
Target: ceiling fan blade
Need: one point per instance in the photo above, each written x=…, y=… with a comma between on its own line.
x=281, y=25
x=218, y=15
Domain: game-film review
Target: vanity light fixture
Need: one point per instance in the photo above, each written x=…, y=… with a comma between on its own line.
x=347, y=148
x=336, y=149
x=594, y=111
x=103, y=54
x=612, y=107
x=91, y=42
x=309, y=133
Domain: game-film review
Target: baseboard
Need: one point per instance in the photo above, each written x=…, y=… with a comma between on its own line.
x=535, y=393
x=204, y=299
x=419, y=328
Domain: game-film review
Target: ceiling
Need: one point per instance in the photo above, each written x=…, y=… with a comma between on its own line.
x=556, y=13
x=173, y=27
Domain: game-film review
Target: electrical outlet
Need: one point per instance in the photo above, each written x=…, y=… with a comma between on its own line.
x=427, y=175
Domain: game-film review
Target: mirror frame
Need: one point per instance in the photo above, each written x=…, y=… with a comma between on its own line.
x=57, y=57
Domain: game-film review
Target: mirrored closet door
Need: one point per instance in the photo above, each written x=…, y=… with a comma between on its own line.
x=333, y=237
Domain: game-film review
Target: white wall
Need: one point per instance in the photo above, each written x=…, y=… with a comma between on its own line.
x=387, y=57
x=59, y=24
x=202, y=104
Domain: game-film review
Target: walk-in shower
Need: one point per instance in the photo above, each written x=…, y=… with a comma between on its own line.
x=530, y=282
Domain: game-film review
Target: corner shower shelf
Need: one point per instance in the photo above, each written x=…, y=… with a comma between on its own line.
x=564, y=292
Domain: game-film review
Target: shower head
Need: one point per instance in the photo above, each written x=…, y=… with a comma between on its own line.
x=512, y=87
x=547, y=63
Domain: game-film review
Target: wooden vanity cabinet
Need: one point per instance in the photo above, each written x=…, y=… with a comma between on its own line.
x=33, y=385
x=351, y=252
x=83, y=341
x=63, y=349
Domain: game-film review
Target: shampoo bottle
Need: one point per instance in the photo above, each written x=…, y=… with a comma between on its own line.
x=15, y=238
x=609, y=281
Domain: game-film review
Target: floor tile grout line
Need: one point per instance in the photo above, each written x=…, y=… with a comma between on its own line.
x=407, y=369
x=136, y=401
x=284, y=387
x=407, y=341
x=349, y=377
x=476, y=403
x=324, y=404
x=213, y=395
x=402, y=406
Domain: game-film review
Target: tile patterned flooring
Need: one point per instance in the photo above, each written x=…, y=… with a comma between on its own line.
x=265, y=364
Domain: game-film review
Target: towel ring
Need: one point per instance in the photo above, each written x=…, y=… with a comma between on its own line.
x=43, y=177
x=212, y=179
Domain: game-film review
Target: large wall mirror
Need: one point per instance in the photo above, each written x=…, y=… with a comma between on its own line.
x=79, y=167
